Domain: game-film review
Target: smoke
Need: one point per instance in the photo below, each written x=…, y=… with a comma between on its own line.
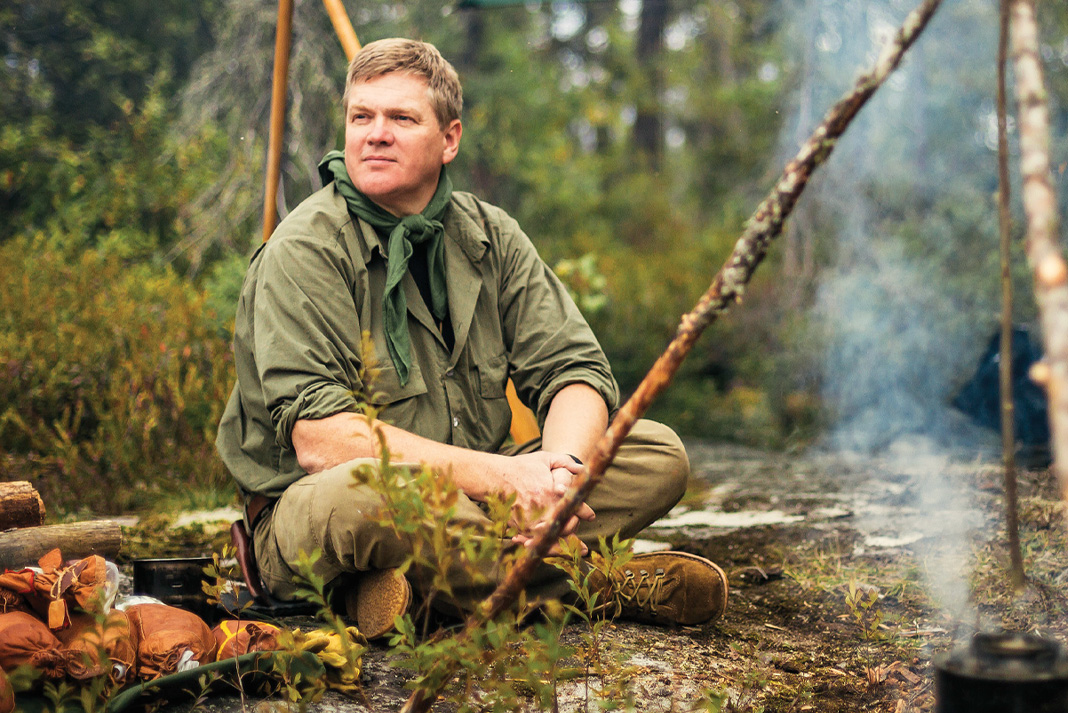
x=909, y=291
x=906, y=301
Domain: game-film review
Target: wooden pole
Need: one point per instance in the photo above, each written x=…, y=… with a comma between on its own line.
x=282, y=38
x=727, y=288
x=1008, y=409
x=20, y=505
x=76, y=540
x=1040, y=207
x=343, y=27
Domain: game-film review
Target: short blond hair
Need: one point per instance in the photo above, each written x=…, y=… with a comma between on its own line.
x=421, y=59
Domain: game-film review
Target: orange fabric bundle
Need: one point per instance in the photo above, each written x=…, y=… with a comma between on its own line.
x=96, y=646
x=15, y=586
x=26, y=640
x=11, y=600
x=169, y=639
x=57, y=587
x=235, y=637
x=7, y=694
x=51, y=591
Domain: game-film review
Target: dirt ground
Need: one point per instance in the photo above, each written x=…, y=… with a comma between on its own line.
x=848, y=575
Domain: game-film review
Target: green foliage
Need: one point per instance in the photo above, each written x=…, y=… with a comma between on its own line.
x=80, y=62
x=584, y=282
x=862, y=600
x=126, y=191
x=85, y=105
x=114, y=378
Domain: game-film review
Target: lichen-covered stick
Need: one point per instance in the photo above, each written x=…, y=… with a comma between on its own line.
x=1040, y=207
x=728, y=286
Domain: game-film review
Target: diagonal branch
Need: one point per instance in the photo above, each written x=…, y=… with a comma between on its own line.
x=1040, y=207
x=727, y=287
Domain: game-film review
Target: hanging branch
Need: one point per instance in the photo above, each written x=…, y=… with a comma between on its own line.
x=1008, y=411
x=1040, y=208
x=727, y=287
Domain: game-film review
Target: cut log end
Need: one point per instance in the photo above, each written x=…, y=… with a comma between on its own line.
x=20, y=505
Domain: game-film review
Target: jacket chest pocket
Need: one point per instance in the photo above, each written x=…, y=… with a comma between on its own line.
x=493, y=377
x=398, y=405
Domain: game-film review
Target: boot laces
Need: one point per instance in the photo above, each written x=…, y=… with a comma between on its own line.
x=637, y=592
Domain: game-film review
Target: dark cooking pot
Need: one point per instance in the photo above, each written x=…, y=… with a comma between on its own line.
x=175, y=581
x=1003, y=673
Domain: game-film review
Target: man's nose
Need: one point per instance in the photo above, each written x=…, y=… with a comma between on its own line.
x=379, y=132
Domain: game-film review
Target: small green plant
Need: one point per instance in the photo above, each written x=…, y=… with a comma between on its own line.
x=862, y=600
x=218, y=584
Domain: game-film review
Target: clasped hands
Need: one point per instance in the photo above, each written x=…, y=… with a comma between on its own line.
x=539, y=480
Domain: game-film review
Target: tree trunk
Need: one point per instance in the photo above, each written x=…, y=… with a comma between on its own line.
x=1008, y=411
x=649, y=122
x=20, y=505
x=1040, y=207
x=76, y=540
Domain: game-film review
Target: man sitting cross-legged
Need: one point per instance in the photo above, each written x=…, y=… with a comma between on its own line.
x=455, y=301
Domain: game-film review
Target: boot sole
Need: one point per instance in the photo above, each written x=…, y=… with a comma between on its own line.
x=381, y=596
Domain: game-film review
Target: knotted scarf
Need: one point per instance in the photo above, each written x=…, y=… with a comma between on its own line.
x=425, y=227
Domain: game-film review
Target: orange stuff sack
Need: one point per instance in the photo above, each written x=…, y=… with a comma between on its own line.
x=15, y=586
x=7, y=694
x=235, y=637
x=11, y=601
x=27, y=640
x=169, y=639
x=96, y=647
x=59, y=586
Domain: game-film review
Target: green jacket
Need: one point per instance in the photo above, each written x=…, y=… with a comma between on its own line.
x=309, y=340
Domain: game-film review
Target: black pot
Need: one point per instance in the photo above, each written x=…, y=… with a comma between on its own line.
x=178, y=582
x=1003, y=673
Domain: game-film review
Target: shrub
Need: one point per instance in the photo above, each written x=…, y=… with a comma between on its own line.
x=114, y=378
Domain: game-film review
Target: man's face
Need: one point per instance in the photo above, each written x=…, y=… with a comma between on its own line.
x=394, y=145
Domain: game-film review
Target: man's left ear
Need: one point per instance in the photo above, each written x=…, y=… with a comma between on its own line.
x=452, y=141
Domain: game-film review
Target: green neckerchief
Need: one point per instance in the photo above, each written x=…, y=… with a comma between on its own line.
x=403, y=233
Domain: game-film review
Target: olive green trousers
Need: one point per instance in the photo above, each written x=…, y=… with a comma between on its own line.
x=328, y=511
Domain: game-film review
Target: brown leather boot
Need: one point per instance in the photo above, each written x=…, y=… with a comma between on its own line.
x=669, y=588
x=379, y=597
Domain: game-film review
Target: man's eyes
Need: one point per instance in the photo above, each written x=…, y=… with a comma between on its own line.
x=365, y=116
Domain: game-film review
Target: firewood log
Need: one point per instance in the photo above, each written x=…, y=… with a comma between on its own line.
x=20, y=505
x=76, y=540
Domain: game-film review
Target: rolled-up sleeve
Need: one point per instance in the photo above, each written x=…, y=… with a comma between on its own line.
x=550, y=343
x=306, y=332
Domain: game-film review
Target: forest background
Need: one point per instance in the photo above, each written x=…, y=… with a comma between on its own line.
x=631, y=139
